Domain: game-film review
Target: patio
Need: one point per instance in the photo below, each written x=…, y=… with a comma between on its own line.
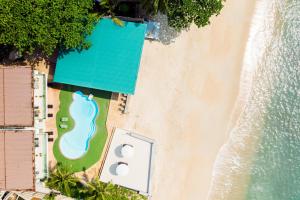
x=129, y=161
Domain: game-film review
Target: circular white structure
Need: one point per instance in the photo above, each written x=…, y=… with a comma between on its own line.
x=127, y=151
x=122, y=169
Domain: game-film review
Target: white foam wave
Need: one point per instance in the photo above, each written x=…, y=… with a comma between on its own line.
x=261, y=31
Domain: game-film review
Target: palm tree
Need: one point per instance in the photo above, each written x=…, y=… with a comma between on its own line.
x=63, y=180
x=109, y=7
x=153, y=6
x=50, y=196
x=97, y=190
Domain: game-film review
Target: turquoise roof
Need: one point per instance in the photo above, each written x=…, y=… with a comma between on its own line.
x=111, y=63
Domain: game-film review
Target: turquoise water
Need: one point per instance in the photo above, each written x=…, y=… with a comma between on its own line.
x=75, y=143
x=275, y=171
x=261, y=160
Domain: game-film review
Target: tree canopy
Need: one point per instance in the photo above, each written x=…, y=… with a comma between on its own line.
x=44, y=25
x=181, y=13
x=61, y=179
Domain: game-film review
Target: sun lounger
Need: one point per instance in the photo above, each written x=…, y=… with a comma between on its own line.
x=90, y=96
x=50, y=133
x=64, y=126
x=64, y=119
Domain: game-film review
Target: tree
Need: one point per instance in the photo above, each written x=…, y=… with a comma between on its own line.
x=93, y=190
x=154, y=6
x=50, y=196
x=46, y=24
x=97, y=190
x=181, y=13
x=107, y=8
x=63, y=180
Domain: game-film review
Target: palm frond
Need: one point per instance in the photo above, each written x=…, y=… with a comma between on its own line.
x=118, y=21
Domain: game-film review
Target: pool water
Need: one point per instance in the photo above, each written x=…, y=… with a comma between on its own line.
x=74, y=144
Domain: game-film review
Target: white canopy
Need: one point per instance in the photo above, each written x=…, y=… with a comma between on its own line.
x=122, y=169
x=127, y=151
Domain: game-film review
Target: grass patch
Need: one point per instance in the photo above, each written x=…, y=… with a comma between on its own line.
x=97, y=142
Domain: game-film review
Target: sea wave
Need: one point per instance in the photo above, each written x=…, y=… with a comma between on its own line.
x=234, y=158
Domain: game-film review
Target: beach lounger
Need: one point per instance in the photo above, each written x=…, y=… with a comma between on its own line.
x=50, y=133
x=64, y=119
x=64, y=126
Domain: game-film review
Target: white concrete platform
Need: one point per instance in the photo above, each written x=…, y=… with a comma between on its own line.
x=140, y=163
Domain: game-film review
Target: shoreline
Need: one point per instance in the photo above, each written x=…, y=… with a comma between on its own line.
x=233, y=157
x=184, y=100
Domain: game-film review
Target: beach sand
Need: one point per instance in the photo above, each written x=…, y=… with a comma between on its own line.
x=185, y=95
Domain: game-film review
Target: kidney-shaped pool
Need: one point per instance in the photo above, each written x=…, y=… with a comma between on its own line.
x=83, y=110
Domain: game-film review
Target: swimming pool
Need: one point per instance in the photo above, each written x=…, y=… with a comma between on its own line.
x=83, y=110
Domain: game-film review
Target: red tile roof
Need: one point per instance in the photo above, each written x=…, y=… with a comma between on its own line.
x=16, y=94
x=16, y=160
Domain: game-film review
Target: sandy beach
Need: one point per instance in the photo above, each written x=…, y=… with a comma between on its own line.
x=185, y=95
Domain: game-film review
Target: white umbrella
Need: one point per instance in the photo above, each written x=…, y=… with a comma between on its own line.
x=127, y=151
x=122, y=169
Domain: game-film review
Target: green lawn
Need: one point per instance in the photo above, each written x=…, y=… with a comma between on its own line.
x=97, y=142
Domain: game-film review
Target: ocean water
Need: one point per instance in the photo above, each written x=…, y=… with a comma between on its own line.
x=261, y=160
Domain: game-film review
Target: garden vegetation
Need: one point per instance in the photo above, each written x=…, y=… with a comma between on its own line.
x=44, y=25
x=63, y=180
x=182, y=13
x=47, y=25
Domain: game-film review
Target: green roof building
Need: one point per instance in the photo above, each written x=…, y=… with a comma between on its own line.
x=111, y=63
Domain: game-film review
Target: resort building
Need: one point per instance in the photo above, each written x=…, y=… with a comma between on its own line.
x=16, y=160
x=41, y=136
x=16, y=103
x=23, y=149
x=129, y=161
x=16, y=129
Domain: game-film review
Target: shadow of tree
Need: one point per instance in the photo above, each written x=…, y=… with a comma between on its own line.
x=86, y=91
x=4, y=57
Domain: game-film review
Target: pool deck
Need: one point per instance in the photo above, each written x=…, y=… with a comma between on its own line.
x=53, y=98
x=115, y=118
x=140, y=164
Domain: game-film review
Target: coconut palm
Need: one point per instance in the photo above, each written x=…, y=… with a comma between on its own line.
x=93, y=190
x=109, y=7
x=50, y=196
x=97, y=190
x=153, y=6
x=63, y=180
